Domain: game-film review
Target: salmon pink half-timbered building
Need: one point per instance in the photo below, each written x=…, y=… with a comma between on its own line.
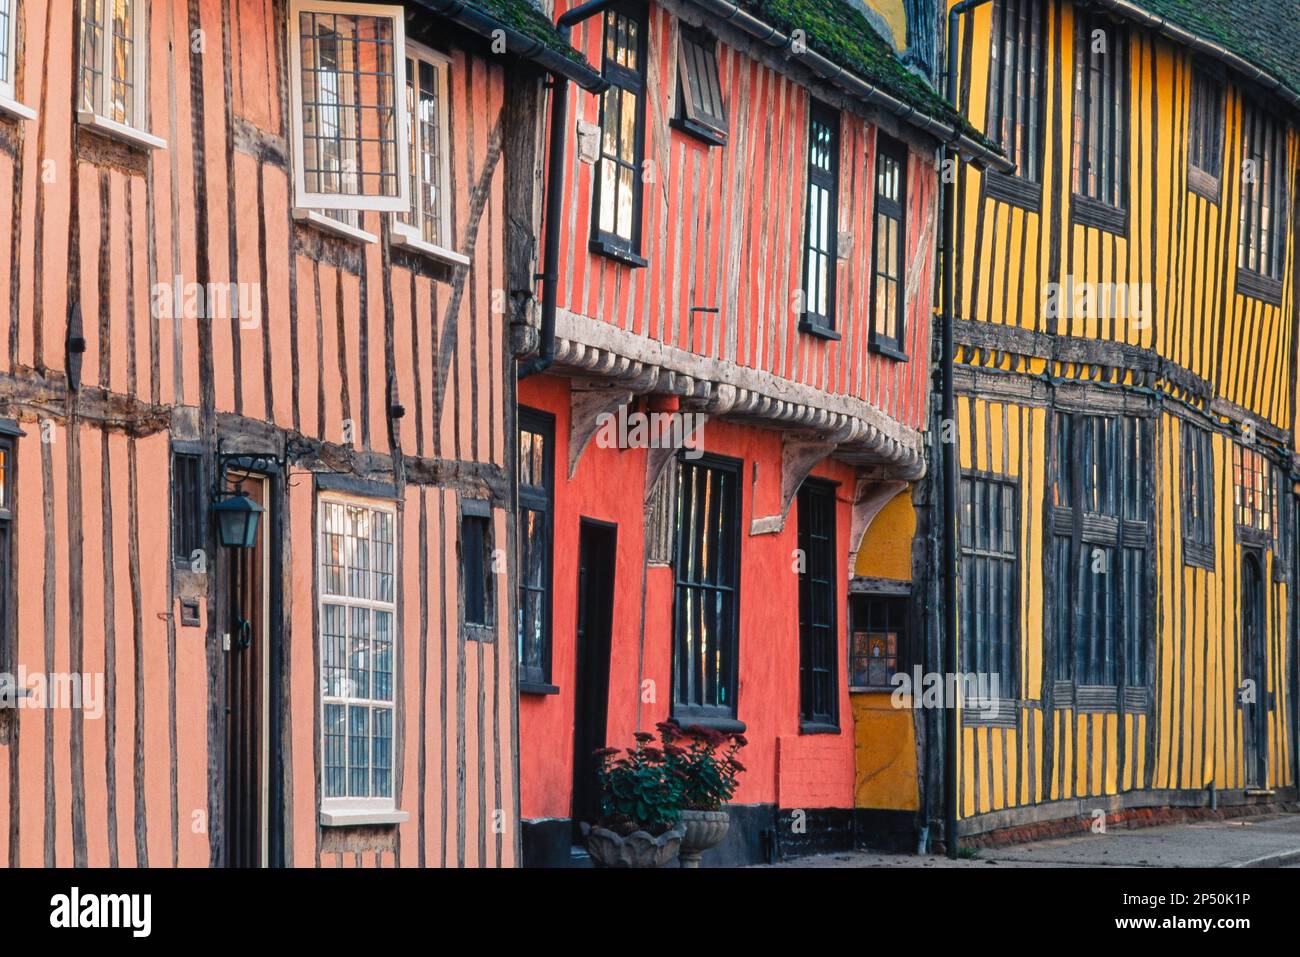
x=729, y=381
x=256, y=410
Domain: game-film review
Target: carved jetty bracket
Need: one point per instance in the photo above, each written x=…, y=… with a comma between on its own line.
x=871, y=496
x=587, y=406
x=658, y=457
x=800, y=454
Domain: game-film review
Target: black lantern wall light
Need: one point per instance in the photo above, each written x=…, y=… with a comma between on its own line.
x=238, y=516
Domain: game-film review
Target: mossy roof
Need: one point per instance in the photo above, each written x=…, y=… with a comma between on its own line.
x=1265, y=33
x=523, y=16
x=844, y=36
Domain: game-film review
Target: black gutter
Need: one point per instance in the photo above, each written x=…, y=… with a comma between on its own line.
x=520, y=44
x=947, y=426
x=556, y=161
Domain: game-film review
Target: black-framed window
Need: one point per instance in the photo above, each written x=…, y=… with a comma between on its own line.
x=707, y=578
x=1261, y=237
x=536, y=544
x=878, y=647
x=1282, y=543
x=821, y=219
x=476, y=573
x=1016, y=86
x=1198, y=496
x=889, y=258
x=818, y=588
x=187, y=506
x=989, y=517
x=1100, y=154
x=1101, y=527
x=1205, y=134
x=617, y=208
x=700, y=108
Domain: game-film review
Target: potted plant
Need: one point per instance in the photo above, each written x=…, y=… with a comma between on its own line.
x=705, y=762
x=640, y=802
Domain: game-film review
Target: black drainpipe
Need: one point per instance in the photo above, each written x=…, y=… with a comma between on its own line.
x=947, y=421
x=555, y=163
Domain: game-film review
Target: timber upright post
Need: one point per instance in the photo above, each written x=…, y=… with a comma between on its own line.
x=947, y=416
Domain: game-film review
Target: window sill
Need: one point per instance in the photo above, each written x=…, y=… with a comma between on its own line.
x=1085, y=211
x=1202, y=183
x=537, y=688
x=433, y=251
x=330, y=225
x=472, y=631
x=817, y=727
x=602, y=247
x=361, y=817
x=699, y=131
x=120, y=131
x=872, y=689
x=1014, y=190
x=818, y=328
x=887, y=349
x=726, y=725
x=1259, y=287
x=13, y=108
x=1198, y=555
x=1005, y=713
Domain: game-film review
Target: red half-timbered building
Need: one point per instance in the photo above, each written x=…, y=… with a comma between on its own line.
x=745, y=259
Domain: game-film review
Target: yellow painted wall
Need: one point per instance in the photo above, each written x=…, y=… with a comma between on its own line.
x=895, y=18
x=886, y=550
x=885, y=752
x=885, y=736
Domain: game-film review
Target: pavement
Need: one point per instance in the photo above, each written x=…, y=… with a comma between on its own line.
x=1264, y=841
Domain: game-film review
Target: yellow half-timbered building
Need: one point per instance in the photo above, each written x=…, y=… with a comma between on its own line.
x=1125, y=419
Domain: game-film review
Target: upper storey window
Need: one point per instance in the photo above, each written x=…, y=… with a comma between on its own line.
x=1205, y=136
x=700, y=110
x=1015, y=116
x=114, y=60
x=9, y=61
x=1100, y=180
x=821, y=220
x=1261, y=238
x=617, y=208
x=346, y=70
x=890, y=258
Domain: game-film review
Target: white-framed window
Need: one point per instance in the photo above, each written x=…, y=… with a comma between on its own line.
x=357, y=621
x=9, y=61
x=349, y=132
x=114, y=69
x=426, y=225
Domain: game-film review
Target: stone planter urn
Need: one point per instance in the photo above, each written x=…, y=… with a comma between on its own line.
x=704, y=829
x=638, y=849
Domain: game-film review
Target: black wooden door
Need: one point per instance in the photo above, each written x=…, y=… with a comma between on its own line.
x=245, y=699
x=1254, y=703
x=596, y=551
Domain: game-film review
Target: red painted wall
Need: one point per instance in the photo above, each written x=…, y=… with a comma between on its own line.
x=784, y=767
x=722, y=227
